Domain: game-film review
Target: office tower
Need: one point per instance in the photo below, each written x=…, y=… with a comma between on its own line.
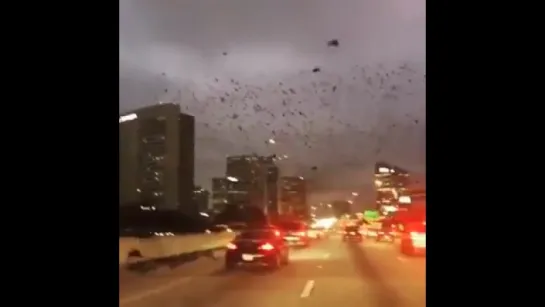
x=220, y=193
x=253, y=182
x=390, y=182
x=293, y=196
x=200, y=197
x=156, y=157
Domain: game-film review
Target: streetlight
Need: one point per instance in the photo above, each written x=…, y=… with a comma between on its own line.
x=232, y=179
x=271, y=141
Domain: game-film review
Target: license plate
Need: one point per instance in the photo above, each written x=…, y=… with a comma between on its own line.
x=247, y=257
x=352, y=233
x=292, y=238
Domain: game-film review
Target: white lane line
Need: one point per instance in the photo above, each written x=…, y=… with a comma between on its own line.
x=401, y=259
x=155, y=291
x=307, y=289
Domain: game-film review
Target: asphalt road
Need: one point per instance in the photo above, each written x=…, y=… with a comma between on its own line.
x=329, y=273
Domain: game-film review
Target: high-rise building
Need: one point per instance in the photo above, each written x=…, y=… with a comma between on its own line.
x=253, y=182
x=341, y=207
x=245, y=173
x=293, y=196
x=220, y=193
x=272, y=176
x=390, y=182
x=157, y=154
x=200, y=197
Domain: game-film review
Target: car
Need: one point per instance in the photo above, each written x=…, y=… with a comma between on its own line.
x=317, y=232
x=371, y=232
x=295, y=233
x=385, y=235
x=219, y=228
x=257, y=247
x=352, y=233
x=413, y=240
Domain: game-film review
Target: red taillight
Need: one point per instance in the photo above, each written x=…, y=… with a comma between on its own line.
x=277, y=233
x=231, y=246
x=266, y=247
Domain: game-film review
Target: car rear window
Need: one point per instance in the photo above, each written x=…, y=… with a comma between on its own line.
x=256, y=235
x=291, y=225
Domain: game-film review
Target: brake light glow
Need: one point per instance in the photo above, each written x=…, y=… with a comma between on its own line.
x=231, y=246
x=418, y=239
x=277, y=233
x=266, y=247
x=417, y=235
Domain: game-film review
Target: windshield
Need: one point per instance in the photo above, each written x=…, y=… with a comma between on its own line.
x=271, y=113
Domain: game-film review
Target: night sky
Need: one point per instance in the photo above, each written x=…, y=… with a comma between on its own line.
x=338, y=84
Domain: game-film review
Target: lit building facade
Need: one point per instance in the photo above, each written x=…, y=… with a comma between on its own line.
x=390, y=183
x=156, y=148
x=293, y=196
x=253, y=181
x=220, y=193
x=271, y=181
x=200, y=197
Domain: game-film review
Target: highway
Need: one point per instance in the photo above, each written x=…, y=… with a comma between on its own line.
x=329, y=273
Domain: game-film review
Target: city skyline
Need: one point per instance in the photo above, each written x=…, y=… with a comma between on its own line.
x=245, y=85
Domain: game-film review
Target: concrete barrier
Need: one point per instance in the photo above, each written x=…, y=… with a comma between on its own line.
x=137, y=249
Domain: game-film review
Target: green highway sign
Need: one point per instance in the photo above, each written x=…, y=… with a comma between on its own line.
x=371, y=214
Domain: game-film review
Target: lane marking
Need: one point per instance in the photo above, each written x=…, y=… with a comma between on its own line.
x=307, y=289
x=327, y=255
x=401, y=259
x=142, y=295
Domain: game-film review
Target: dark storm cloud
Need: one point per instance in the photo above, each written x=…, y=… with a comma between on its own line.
x=244, y=69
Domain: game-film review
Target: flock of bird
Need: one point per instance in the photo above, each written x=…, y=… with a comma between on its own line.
x=321, y=119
